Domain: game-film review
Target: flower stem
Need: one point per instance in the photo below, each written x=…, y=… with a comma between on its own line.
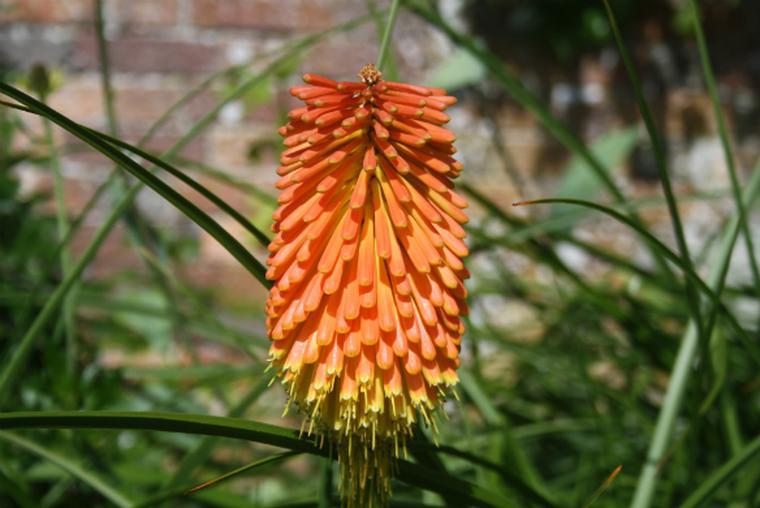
x=382, y=54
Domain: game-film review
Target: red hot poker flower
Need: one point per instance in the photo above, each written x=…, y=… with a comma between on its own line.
x=364, y=314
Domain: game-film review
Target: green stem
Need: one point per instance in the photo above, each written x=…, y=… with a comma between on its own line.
x=722, y=475
x=141, y=233
x=391, y=71
x=647, y=482
x=105, y=68
x=71, y=467
x=20, y=354
x=382, y=54
x=62, y=221
x=725, y=141
x=662, y=171
x=512, y=84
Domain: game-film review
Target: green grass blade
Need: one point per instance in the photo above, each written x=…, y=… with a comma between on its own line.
x=409, y=473
x=390, y=69
x=105, y=68
x=187, y=491
x=226, y=178
x=730, y=164
x=506, y=474
x=516, y=456
x=180, y=202
x=204, y=449
x=385, y=43
x=62, y=220
x=723, y=474
x=667, y=253
x=539, y=249
x=143, y=235
x=712, y=89
x=192, y=183
x=528, y=231
x=724, y=262
x=666, y=419
x=235, y=428
x=11, y=370
x=228, y=476
x=324, y=496
x=603, y=487
x=71, y=467
x=662, y=169
x=450, y=487
x=521, y=94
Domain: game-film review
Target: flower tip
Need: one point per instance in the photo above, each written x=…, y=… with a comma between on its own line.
x=523, y=203
x=370, y=75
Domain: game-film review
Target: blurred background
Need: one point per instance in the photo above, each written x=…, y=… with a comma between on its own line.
x=574, y=326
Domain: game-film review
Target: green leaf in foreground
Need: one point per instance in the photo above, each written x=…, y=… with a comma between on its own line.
x=70, y=467
x=667, y=253
x=408, y=472
x=180, y=202
x=184, y=491
x=723, y=474
x=13, y=367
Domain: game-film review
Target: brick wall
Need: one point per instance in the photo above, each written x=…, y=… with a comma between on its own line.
x=160, y=49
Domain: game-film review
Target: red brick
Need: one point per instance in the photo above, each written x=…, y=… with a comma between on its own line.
x=162, y=142
x=340, y=57
x=141, y=105
x=229, y=148
x=266, y=14
x=79, y=98
x=147, y=12
x=46, y=11
x=142, y=55
x=220, y=270
x=114, y=256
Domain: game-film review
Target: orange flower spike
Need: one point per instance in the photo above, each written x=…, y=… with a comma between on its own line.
x=364, y=314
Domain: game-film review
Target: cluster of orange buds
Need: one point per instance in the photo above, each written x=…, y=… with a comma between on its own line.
x=365, y=310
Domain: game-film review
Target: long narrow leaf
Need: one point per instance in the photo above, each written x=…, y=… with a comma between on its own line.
x=409, y=473
x=707, y=488
x=180, y=202
x=203, y=450
x=186, y=491
x=192, y=183
x=521, y=94
x=666, y=419
x=662, y=171
x=71, y=467
x=668, y=254
x=20, y=354
x=712, y=89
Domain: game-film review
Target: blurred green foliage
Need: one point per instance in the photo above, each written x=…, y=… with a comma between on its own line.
x=564, y=378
